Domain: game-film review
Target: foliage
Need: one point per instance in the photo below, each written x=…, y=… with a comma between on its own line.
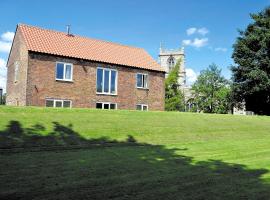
x=3, y=100
x=251, y=74
x=174, y=99
x=212, y=91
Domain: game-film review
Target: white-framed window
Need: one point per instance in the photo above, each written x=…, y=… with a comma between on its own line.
x=106, y=105
x=58, y=103
x=142, y=107
x=16, y=71
x=63, y=71
x=142, y=80
x=106, y=81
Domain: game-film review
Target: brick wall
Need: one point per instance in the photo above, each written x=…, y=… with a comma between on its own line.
x=41, y=84
x=16, y=91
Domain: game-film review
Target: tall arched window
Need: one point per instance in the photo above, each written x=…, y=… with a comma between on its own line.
x=171, y=63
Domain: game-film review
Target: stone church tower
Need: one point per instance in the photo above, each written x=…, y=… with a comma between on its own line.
x=168, y=59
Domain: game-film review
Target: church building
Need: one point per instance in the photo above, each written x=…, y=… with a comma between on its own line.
x=168, y=59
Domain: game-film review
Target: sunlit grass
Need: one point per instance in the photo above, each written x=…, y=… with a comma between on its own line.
x=168, y=138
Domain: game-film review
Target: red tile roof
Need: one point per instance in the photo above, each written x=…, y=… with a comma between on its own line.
x=59, y=43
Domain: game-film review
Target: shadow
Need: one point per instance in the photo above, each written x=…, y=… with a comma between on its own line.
x=125, y=170
x=14, y=136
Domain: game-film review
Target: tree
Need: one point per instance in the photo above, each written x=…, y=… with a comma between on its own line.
x=174, y=99
x=212, y=91
x=251, y=74
x=4, y=99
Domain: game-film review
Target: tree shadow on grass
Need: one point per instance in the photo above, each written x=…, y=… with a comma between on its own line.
x=127, y=170
x=14, y=136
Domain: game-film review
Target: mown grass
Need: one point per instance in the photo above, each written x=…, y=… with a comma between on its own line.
x=152, y=155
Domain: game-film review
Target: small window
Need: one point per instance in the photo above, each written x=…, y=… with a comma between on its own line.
x=142, y=107
x=145, y=107
x=66, y=104
x=49, y=103
x=64, y=71
x=58, y=103
x=112, y=106
x=106, y=106
x=99, y=105
x=16, y=71
x=106, y=81
x=142, y=81
x=138, y=107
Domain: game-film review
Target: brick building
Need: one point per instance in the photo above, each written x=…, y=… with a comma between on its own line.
x=56, y=69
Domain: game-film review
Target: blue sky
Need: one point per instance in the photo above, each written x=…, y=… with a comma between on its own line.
x=142, y=23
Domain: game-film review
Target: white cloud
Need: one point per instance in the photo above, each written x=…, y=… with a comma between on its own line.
x=191, y=31
x=198, y=43
x=220, y=49
x=5, y=46
x=203, y=31
x=3, y=74
x=5, y=42
x=191, y=76
x=8, y=36
x=186, y=42
x=2, y=63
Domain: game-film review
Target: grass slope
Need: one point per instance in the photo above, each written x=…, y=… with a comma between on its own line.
x=155, y=155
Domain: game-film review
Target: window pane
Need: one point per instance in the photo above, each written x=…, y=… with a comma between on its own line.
x=99, y=80
x=106, y=106
x=112, y=106
x=99, y=105
x=49, y=103
x=138, y=107
x=145, y=108
x=67, y=104
x=145, y=80
x=58, y=104
x=68, y=72
x=139, y=80
x=113, y=82
x=60, y=71
x=106, y=81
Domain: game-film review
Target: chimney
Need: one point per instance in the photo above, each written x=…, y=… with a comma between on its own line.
x=68, y=30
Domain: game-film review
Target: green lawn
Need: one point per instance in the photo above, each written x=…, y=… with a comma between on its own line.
x=96, y=154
